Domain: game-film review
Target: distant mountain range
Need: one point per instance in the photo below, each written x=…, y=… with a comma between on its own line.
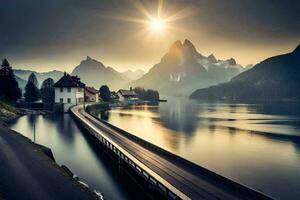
x=133, y=75
x=21, y=83
x=22, y=76
x=182, y=70
x=94, y=73
x=276, y=78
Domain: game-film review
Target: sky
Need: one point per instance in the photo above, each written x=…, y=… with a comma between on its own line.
x=58, y=34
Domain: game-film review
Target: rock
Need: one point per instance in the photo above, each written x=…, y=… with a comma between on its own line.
x=212, y=58
x=231, y=61
x=67, y=170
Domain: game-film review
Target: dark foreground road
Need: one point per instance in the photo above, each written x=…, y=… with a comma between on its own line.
x=27, y=173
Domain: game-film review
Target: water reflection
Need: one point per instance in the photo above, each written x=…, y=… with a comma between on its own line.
x=179, y=116
x=255, y=144
x=72, y=148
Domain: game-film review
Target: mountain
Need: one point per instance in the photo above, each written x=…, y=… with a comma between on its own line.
x=21, y=83
x=133, y=75
x=41, y=76
x=94, y=73
x=276, y=78
x=118, y=73
x=182, y=70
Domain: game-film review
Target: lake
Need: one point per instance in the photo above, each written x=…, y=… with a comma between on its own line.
x=257, y=145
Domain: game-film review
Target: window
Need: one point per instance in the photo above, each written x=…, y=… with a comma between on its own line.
x=69, y=89
x=61, y=89
x=69, y=100
x=61, y=100
x=79, y=89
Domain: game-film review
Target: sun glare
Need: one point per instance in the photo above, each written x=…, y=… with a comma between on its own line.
x=157, y=25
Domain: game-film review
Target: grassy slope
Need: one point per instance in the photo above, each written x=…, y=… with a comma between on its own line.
x=8, y=112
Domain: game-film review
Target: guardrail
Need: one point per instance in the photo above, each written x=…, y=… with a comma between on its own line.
x=163, y=186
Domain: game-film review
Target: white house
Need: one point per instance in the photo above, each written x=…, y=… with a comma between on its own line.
x=69, y=91
x=127, y=95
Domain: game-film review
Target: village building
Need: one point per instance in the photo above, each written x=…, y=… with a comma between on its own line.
x=91, y=94
x=114, y=95
x=69, y=91
x=127, y=95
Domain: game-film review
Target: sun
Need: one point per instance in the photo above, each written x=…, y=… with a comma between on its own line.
x=157, y=25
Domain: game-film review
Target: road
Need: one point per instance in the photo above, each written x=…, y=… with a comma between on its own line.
x=27, y=173
x=191, y=183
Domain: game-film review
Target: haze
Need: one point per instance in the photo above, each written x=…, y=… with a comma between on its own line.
x=58, y=34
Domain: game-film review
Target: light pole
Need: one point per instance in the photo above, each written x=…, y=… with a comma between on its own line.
x=84, y=98
x=34, y=130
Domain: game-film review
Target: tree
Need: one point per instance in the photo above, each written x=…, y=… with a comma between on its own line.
x=140, y=92
x=152, y=95
x=5, y=63
x=104, y=93
x=148, y=95
x=32, y=78
x=9, y=88
x=32, y=93
x=47, y=91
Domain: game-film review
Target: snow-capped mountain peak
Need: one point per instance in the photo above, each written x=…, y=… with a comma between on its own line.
x=183, y=68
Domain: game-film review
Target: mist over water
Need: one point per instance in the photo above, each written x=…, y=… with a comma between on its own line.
x=255, y=144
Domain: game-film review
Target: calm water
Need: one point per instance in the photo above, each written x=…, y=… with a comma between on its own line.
x=256, y=145
x=71, y=148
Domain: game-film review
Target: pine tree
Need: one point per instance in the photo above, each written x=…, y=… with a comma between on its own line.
x=9, y=88
x=32, y=93
x=32, y=78
x=5, y=63
x=47, y=91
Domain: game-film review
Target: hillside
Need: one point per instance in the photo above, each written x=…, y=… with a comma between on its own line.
x=41, y=76
x=8, y=112
x=182, y=70
x=276, y=78
x=94, y=73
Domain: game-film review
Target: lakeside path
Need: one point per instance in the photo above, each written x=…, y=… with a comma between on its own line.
x=27, y=173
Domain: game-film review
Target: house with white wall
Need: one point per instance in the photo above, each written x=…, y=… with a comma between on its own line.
x=69, y=91
x=127, y=95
